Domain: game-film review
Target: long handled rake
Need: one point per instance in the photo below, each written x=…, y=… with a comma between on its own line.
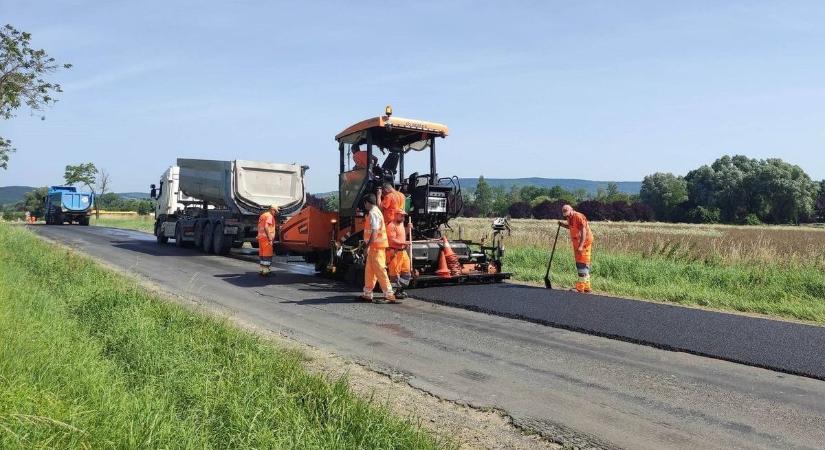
x=548, y=282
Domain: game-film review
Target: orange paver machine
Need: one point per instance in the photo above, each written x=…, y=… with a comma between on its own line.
x=334, y=240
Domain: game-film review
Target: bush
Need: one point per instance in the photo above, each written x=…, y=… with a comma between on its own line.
x=594, y=210
x=549, y=209
x=519, y=210
x=701, y=214
x=470, y=210
x=643, y=212
x=752, y=219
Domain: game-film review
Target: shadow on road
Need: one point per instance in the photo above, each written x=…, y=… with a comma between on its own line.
x=254, y=279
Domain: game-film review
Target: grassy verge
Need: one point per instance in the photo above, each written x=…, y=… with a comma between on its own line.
x=784, y=291
x=139, y=223
x=90, y=360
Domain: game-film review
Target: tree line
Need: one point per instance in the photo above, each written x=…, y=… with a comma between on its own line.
x=734, y=189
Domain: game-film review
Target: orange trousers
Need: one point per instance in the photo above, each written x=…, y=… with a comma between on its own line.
x=376, y=271
x=398, y=266
x=583, y=259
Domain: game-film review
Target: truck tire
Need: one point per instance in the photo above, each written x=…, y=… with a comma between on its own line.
x=221, y=242
x=159, y=236
x=58, y=219
x=84, y=221
x=206, y=242
x=179, y=237
x=199, y=234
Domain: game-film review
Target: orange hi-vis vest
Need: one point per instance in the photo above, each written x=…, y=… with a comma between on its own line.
x=266, y=223
x=372, y=219
x=397, y=236
x=391, y=203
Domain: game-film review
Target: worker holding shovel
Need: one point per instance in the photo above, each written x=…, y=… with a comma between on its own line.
x=582, y=238
x=375, y=247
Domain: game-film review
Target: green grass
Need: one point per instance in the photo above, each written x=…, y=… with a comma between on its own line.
x=140, y=223
x=88, y=359
x=671, y=275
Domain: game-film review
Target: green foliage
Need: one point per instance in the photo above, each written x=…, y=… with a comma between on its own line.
x=483, y=197
x=22, y=69
x=771, y=189
x=91, y=360
x=752, y=219
x=702, y=214
x=33, y=202
x=83, y=173
x=114, y=202
x=663, y=192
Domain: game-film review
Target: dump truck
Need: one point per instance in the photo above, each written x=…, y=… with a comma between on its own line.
x=215, y=205
x=64, y=204
x=333, y=241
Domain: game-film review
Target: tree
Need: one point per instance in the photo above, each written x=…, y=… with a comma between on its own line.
x=820, y=202
x=743, y=190
x=483, y=197
x=549, y=209
x=83, y=174
x=663, y=192
x=519, y=210
x=33, y=201
x=594, y=210
x=144, y=207
x=103, y=183
x=22, y=72
x=643, y=212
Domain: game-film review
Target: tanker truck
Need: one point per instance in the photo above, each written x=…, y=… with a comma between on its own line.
x=215, y=205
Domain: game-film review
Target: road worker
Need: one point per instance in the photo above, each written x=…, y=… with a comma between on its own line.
x=359, y=157
x=266, y=238
x=391, y=201
x=582, y=238
x=398, y=258
x=375, y=246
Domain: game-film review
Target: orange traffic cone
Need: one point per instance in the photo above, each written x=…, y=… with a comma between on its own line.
x=443, y=271
x=452, y=259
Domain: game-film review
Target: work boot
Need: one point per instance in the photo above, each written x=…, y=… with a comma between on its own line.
x=400, y=294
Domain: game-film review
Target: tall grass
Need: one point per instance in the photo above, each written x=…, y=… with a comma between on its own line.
x=778, y=271
x=139, y=223
x=90, y=360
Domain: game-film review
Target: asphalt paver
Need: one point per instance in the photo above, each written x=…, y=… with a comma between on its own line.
x=783, y=346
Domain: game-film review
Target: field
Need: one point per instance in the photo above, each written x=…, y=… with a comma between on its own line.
x=770, y=270
x=128, y=221
x=90, y=360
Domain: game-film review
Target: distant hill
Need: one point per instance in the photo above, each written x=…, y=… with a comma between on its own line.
x=13, y=194
x=628, y=187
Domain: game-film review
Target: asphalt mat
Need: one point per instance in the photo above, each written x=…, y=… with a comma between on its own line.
x=772, y=344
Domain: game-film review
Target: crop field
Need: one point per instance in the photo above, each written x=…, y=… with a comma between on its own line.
x=88, y=359
x=774, y=270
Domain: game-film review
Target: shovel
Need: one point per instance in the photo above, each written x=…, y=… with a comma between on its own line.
x=548, y=283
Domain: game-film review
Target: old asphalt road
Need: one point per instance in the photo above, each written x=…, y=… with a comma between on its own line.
x=572, y=387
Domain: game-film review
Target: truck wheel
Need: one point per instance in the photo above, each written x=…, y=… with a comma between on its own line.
x=179, y=242
x=206, y=242
x=58, y=219
x=199, y=234
x=159, y=236
x=221, y=242
x=84, y=221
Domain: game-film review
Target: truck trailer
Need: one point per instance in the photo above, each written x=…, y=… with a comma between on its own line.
x=215, y=205
x=64, y=204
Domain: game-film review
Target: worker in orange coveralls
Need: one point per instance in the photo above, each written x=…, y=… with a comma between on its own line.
x=266, y=237
x=398, y=258
x=391, y=201
x=359, y=157
x=375, y=240
x=582, y=238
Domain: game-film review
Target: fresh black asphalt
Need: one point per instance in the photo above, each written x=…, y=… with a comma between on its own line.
x=772, y=344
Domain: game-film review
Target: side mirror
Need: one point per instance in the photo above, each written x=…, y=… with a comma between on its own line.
x=153, y=191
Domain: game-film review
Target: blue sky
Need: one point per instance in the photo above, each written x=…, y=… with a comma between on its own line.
x=594, y=89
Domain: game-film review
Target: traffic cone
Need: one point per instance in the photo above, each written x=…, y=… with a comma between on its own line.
x=453, y=265
x=443, y=271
